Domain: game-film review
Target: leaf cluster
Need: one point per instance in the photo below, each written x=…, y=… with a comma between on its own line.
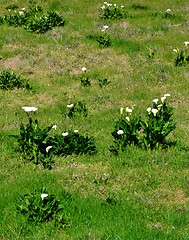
x=9, y=81
x=113, y=11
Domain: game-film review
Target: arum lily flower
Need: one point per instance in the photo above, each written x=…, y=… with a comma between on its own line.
x=167, y=95
x=163, y=99
x=149, y=109
x=70, y=106
x=105, y=27
x=154, y=111
x=29, y=109
x=168, y=10
x=175, y=50
x=83, y=69
x=76, y=131
x=48, y=148
x=120, y=132
x=186, y=43
x=128, y=119
x=121, y=110
x=155, y=100
x=54, y=127
x=65, y=134
x=44, y=195
x=129, y=110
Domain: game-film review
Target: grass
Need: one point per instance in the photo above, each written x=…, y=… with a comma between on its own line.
x=136, y=195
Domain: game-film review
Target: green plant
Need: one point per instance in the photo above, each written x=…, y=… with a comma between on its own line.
x=71, y=142
x=149, y=134
x=12, y=7
x=77, y=109
x=9, y=81
x=103, y=82
x=84, y=79
x=104, y=39
x=113, y=11
x=39, y=207
x=182, y=57
x=32, y=140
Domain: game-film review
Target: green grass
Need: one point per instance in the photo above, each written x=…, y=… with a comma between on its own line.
x=136, y=195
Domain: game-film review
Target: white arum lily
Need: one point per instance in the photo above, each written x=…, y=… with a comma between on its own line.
x=44, y=195
x=128, y=119
x=48, y=148
x=159, y=106
x=120, y=132
x=76, y=131
x=175, y=50
x=154, y=111
x=65, y=134
x=186, y=43
x=83, y=69
x=121, y=110
x=163, y=99
x=155, y=100
x=168, y=10
x=70, y=106
x=149, y=109
x=29, y=109
x=54, y=127
x=129, y=110
x=167, y=95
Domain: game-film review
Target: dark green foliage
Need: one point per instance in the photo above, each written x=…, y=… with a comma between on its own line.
x=78, y=109
x=103, y=82
x=113, y=11
x=9, y=81
x=71, y=143
x=12, y=7
x=34, y=19
x=39, y=208
x=104, y=40
x=182, y=58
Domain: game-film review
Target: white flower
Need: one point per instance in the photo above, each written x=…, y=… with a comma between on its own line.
x=155, y=100
x=186, y=43
x=48, y=148
x=23, y=9
x=105, y=2
x=168, y=10
x=105, y=27
x=167, y=95
x=159, y=106
x=76, y=131
x=44, y=195
x=70, y=106
x=129, y=110
x=128, y=119
x=163, y=99
x=65, y=134
x=115, y=5
x=120, y=132
x=175, y=50
x=149, y=109
x=29, y=109
x=122, y=6
x=121, y=110
x=103, y=30
x=83, y=69
x=54, y=127
x=102, y=7
x=21, y=12
x=109, y=4
x=154, y=111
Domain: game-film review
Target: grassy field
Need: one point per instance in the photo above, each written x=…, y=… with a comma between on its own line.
x=137, y=194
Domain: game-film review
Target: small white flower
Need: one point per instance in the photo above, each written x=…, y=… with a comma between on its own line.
x=65, y=134
x=83, y=69
x=121, y=110
x=44, y=195
x=115, y=5
x=186, y=43
x=175, y=50
x=29, y=109
x=109, y=4
x=128, y=119
x=102, y=7
x=76, y=131
x=167, y=95
x=21, y=12
x=54, y=127
x=48, y=148
x=168, y=10
x=122, y=6
x=160, y=105
x=155, y=100
x=9, y=10
x=163, y=99
x=129, y=110
x=23, y=9
x=70, y=106
x=120, y=132
x=149, y=109
x=105, y=27
x=103, y=30
x=154, y=111
x=105, y=3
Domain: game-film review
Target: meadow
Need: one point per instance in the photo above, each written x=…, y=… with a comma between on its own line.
x=137, y=193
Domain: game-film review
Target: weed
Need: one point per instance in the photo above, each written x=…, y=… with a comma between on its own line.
x=9, y=81
x=113, y=11
x=77, y=109
x=104, y=39
x=103, y=82
x=182, y=57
